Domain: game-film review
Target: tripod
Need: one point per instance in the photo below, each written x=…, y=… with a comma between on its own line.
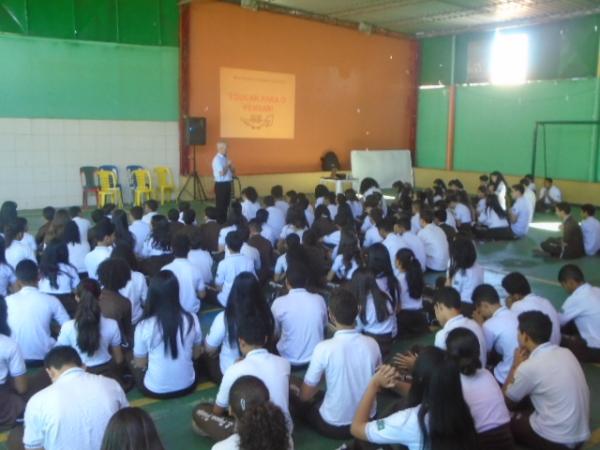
x=197, y=190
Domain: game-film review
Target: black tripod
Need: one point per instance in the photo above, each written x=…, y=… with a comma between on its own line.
x=197, y=190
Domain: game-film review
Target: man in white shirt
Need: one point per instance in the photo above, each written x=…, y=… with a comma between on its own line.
x=191, y=284
x=521, y=299
x=580, y=315
x=280, y=203
x=200, y=258
x=391, y=240
x=74, y=411
x=300, y=318
x=140, y=229
x=30, y=313
x=412, y=241
x=223, y=175
x=529, y=196
x=105, y=237
x=150, y=210
x=13, y=381
x=554, y=382
x=347, y=361
x=82, y=223
x=435, y=242
x=276, y=217
x=231, y=266
x=499, y=326
x=273, y=371
x=520, y=213
x=590, y=227
x=549, y=196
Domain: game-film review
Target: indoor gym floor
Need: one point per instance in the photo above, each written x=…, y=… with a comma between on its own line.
x=173, y=417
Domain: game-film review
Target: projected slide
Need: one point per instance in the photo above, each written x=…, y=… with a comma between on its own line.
x=257, y=104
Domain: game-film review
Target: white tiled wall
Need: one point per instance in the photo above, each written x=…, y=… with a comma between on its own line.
x=40, y=158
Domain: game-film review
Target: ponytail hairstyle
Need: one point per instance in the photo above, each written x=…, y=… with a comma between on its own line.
x=87, y=317
x=463, y=347
x=462, y=255
x=56, y=253
x=349, y=249
x=414, y=274
x=491, y=202
x=263, y=427
x=378, y=262
x=363, y=285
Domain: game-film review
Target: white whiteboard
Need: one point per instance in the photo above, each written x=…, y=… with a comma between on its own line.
x=385, y=166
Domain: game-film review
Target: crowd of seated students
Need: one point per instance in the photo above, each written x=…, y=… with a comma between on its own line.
x=328, y=287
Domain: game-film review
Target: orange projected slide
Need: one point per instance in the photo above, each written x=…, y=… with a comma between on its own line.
x=256, y=104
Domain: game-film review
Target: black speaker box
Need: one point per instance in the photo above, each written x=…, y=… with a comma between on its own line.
x=195, y=130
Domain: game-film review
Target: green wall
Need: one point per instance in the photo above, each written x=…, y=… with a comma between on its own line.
x=432, y=128
x=54, y=78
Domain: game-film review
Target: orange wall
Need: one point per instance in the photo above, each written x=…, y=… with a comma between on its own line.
x=353, y=91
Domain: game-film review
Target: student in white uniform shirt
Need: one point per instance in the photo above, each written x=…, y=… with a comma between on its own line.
x=461, y=211
x=520, y=213
x=499, y=187
x=464, y=273
x=167, y=342
x=435, y=243
x=234, y=220
x=258, y=422
x=554, y=382
x=28, y=238
x=372, y=235
x=105, y=237
x=281, y=264
x=295, y=224
x=250, y=203
x=15, y=249
x=403, y=227
x=200, y=258
x=7, y=273
x=191, y=285
x=412, y=320
x=481, y=391
x=521, y=299
x=274, y=371
x=529, y=196
x=347, y=259
x=549, y=196
x=590, y=227
x=493, y=222
x=231, y=266
x=276, y=218
x=158, y=242
x=82, y=223
x=247, y=250
x=499, y=326
x=347, y=362
x=30, y=313
x=266, y=230
x=136, y=288
x=391, y=240
x=75, y=409
x=280, y=203
x=580, y=315
x=57, y=276
x=150, y=210
x=139, y=228
x=300, y=318
x=77, y=247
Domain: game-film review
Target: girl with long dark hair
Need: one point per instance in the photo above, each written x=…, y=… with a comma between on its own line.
x=77, y=246
x=57, y=226
x=464, y=274
x=159, y=241
x=131, y=429
x=245, y=298
x=235, y=219
x=411, y=317
x=57, y=276
x=167, y=341
x=499, y=187
x=8, y=214
x=493, y=221
x=122, y=233
x=7, y=274
x=136, y=288
x=322, y=225
x=378, y=262
x=15, y=249
x=250, y=203
x=347, y=259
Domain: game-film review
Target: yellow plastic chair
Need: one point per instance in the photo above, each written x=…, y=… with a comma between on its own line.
x=165, y=183
x=108, y=188
x=143, y=186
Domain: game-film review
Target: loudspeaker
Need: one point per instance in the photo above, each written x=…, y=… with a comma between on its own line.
x=195, y=130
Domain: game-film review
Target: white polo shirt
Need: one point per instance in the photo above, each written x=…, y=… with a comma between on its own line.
x=500, y=333
x=485, y=400
x=529, y=197
x=554, y=194
x=290, y=229
x=229, y=268
x=272, y=370
x=7, y=278
x=67, y=281
x=583, y=306
x=590, y=227
x=367, y=224
x=372, y=325
x=556, y=385
x=372, y=236
x=218, y=336
x=393, y=243
x=84, y=227
x=465, y=281
x=463, y=214
x=190, y=283
x=151, y=248
x=16, y=252
x=283, y=206
x=348, y=360
x=29, y=315
x=300, y=321
x=523, y=214
x=534, y=302
x=221, y=171
x=269, y=233
x=491, y=219
x=148, y=217
x=141, y=231
x=76, y=408
x=136, y=291
x=203, y=262
x=77, y=253
x=281, y=265
x=406, y=301
x=110, y=336
x=333, y=239
x=436, y=247
x=339, y=268
x=418, y=248
x=223, y=234
x=461, y=321
x=11, y=359
x=415, y=223
x=402, y=427
x=94, y=258
x=249, y=209
x=276, y=219
x=250, y=252
x=164, y=373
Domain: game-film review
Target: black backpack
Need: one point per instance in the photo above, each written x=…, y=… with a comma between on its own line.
x=329, y=161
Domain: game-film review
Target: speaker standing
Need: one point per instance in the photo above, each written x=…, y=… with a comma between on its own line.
x=223, y=174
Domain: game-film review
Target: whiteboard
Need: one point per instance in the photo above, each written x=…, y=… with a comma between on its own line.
x=385, y=166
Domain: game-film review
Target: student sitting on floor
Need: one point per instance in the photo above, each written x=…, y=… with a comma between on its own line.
x=57, y=276
x=150, y=210
x=277, y=194
x=348, y=258
x=113, y=275
x=15, y=250
x=300, y=318
x=266, y=230
x=435, y=242
x=276, y=217
x=104, y=233
x=371, y=235
x=529, y=196
x=13, y=379
x=347, y=362
x=378, y=262
x=581, y=310
x=493, y=221
x=248, y=250
x=376, y=318
x=7, y=273
x=28, y=238
x=481, y=198
x=77, y=248
x=464, y=273
x=459, y=206
x=131, y=428
x=231, y=266
x=411, y=317
x=481, y=392
x=499, y=328
x=210, y=229
x=264, y=247
x=520, y=214
x=30, y=314
x=570, y=245
x=75, y=409
x=158, y=242
x=553, y=380
x=281, y=264
x=499, y=187
x=440, y=217
x=167, y=342
x=136, y=288
x=250, y=203
x=200, y=257
x=139, y=228
x=48, y=214
x=590, y=227
x=274, y=371
x=403, y=228
x=295, y=224
x=391, y=241
x=549, y=196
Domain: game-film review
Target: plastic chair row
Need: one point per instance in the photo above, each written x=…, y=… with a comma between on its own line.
x=103, y=182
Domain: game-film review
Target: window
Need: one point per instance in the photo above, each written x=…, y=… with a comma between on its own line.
x=509, y=58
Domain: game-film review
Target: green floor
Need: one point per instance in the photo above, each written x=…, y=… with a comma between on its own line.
x=173, y=416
